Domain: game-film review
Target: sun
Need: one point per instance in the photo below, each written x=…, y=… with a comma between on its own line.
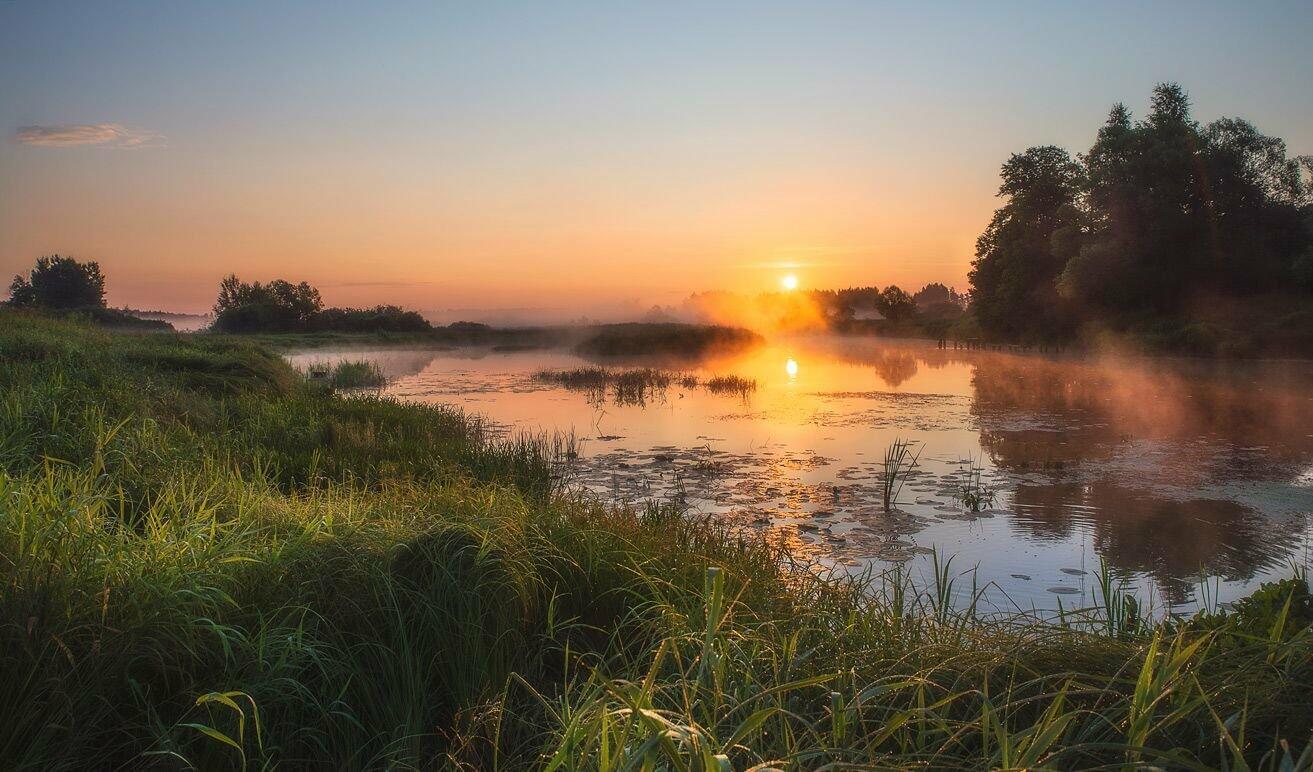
x=789, y=282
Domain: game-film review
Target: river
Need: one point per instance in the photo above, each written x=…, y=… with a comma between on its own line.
x=1192, y=479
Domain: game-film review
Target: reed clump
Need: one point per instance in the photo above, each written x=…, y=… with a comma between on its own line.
x=637, y=385
x=347, y=374
x=899, y=461
x=207, y=562
x=363, y=374
x=733, y=385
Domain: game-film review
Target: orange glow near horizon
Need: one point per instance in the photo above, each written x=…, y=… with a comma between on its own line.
x=592, y=246
x=789, y=282
x=591, y=160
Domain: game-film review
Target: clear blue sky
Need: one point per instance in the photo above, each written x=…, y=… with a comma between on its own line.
x=444, y=154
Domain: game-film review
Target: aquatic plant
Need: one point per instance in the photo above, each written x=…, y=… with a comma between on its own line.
x=362, y=374
x=899, y=461
x=1120, y=609
x=635, y=386
x=731, y=384
x=577, y=378
x=974, y=492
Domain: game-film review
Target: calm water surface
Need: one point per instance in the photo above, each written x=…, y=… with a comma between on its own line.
x=1169, y=470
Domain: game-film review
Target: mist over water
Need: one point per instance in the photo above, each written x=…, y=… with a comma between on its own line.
x=1170, y=470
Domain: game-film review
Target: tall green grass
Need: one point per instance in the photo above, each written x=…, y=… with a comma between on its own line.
x=347, y=374
x=207, y=562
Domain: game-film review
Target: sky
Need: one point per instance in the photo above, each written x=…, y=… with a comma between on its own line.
x=574, y=155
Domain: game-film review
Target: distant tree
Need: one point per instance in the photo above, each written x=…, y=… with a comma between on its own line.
x=376, y=319
x=59, y=282
x=1013, y=276
x=896, y=305
x=934, y=294
x=278, y=306
x=938, y=307
x=658, y=315
x=847, y=302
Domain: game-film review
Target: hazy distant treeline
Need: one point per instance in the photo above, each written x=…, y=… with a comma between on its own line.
x=1163, y=223
x=933, y=309
x=280, y=306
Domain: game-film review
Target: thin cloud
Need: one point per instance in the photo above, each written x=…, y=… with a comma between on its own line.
x=71, y=134
x=377, y=284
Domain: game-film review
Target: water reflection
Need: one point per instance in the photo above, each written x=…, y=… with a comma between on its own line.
x=895, y=367
x=1163, y=468
x=1173, y=541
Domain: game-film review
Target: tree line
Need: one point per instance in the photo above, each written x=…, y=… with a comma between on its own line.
x=280, y=306
x=65, y=286
x=1161, y=218
x=934, y=309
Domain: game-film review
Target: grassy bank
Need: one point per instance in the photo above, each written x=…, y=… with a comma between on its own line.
x=207, y=561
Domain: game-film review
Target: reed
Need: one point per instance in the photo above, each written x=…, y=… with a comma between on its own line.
x=347, y=374
x=635, y=386
x=974, y=492
x=733, y=385
x=899, y=461
x=364, y=374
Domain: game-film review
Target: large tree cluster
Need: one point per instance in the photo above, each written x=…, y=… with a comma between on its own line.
x=1160, y=212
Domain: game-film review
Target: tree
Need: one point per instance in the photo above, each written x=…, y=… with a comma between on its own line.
x=1159, y=214
x=896, y=305
x=1151, y=211
x=1016, y=267
x=1256, y=193
x=278, y=306
x=1176, y=210
x=59, y=282
x=935, y=294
